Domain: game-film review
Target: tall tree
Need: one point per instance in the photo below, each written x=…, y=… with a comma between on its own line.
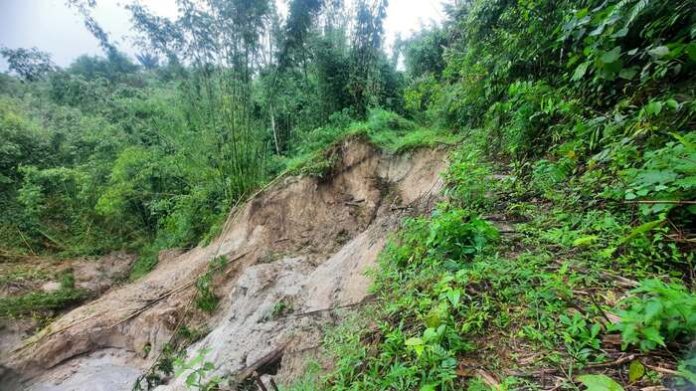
x=29, y=64
x=367, y=36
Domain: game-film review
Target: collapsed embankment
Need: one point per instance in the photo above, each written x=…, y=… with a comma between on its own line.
x=303, y=243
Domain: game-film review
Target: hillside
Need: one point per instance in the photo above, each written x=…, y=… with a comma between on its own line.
x=504, y=202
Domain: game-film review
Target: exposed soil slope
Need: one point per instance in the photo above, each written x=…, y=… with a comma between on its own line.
x=305, y=242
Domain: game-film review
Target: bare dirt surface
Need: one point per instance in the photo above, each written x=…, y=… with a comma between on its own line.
x=302, y=245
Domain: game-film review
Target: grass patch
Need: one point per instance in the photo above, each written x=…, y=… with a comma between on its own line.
x=41, y=302
x=385, y=130
x=35, y=302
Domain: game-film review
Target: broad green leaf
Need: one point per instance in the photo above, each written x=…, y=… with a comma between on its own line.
x=453, y=296
x=628, y=73
x=191, y=379
x=611, y=56
x=621, y=33
x=416, y=344
x=691, y=51
x=429, y=334
x=653, y=108
x=659, y=51
x=654, y=335
x=635, y=371
x=580, y=71
x=414, y=341
x=585, y=241
x=654, y=177
x=433, y=318
x=640, y=230
x=599, y=30
x=672, y=104
x=599, y=383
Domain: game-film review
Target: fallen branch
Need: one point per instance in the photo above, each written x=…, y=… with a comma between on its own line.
x=663, y=370
x=269, y=358
x=621, y=281
x=316, y=312
x=488, y=379
x=259, y=382
x=615, y=363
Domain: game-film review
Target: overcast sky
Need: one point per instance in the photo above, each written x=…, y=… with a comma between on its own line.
x=52, y=27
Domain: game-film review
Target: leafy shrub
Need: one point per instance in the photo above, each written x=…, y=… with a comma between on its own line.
x=197, y=372
x=629, y=41
x=656, y=314
x=420, y=93
x=456, y=235
x=469, y=180
x=668, y=174
x=580, y=338
x=548, y=176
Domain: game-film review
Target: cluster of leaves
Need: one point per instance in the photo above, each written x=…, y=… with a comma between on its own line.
x=657, y=313
x=196, y=371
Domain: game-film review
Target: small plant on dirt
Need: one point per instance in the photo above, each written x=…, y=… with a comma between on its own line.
x=581, y=340
x=281, y=308
x=196, y=371
x=172, y=351
x=455, y=234
x=206, y=300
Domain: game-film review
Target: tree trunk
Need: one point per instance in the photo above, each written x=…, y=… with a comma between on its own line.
x=273, y=128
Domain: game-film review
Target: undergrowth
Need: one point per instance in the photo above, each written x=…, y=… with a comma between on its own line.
x=463, y=306
x=385, y=130
x=39, y=302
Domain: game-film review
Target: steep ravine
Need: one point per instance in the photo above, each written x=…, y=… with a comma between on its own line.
x=305, y=242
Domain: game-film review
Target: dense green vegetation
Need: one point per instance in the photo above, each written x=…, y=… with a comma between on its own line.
x=108, y=154
x=562, y=253
x=565, y=240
